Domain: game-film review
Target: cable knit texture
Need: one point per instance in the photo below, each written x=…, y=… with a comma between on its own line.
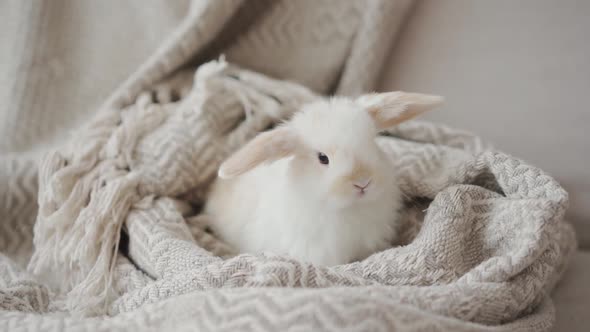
x=482, y=243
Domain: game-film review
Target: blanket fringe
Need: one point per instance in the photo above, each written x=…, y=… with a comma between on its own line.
x=86, y=192
x=84, y=199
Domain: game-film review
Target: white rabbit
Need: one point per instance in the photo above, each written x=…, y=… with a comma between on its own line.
x=317, y=188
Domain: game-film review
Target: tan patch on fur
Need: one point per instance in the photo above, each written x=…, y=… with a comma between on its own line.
x=345, y=184
x=359, y=172
x=342, y=186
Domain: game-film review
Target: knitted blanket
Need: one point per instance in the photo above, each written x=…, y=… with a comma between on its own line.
x=119, y=243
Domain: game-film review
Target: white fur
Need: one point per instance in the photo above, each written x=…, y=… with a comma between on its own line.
x=312, y=212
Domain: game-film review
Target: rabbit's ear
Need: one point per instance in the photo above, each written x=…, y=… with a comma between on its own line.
x=266, y=147
x=391, y=108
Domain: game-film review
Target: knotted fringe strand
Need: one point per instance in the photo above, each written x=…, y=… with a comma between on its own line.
x=87, y=191
x=83, y=202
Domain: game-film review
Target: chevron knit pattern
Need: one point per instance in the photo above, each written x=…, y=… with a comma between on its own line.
x=119, y=243
x=483, y=234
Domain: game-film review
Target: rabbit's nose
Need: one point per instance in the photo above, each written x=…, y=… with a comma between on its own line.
x=362, y=184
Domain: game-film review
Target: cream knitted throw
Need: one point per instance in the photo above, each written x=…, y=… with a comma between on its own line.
x=483, y=238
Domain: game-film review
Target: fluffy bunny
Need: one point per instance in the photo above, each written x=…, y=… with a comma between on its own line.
x=317, y=188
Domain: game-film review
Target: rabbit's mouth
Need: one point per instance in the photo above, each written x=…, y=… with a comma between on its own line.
x=361, y=188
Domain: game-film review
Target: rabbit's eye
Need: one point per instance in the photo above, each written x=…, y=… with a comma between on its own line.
x=323, y=158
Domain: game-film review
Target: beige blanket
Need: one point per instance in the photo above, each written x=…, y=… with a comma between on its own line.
x=483, y=241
